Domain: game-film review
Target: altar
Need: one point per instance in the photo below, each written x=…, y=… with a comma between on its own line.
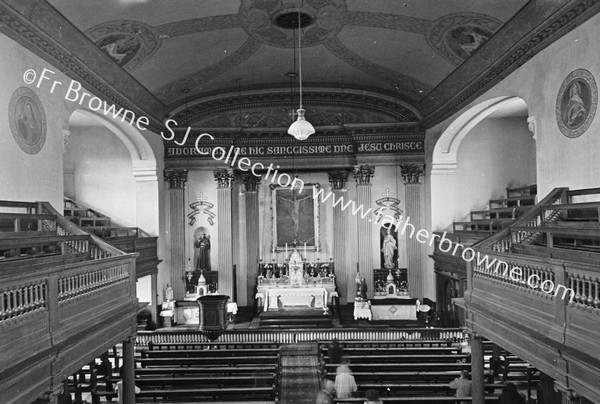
x=296, y=284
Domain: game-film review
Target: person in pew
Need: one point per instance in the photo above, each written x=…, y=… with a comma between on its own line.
x=335, y=352
x=325, y=396
x=462, y=385
x=510, y=395
x=345, y=385
x=372, y=397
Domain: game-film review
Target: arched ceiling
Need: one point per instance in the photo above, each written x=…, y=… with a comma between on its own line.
x=190, y=51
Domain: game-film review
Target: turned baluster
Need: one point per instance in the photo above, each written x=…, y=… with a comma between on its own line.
x=590, y=297
x=577, y=294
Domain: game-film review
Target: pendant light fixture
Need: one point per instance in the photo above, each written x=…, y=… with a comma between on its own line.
x=301, y=129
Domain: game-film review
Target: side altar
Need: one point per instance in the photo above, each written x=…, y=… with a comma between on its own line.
x=296, y=284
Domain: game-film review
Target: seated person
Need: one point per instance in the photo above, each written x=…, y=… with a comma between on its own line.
x=335, y=352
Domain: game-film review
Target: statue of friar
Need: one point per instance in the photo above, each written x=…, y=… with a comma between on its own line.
x=203, y=246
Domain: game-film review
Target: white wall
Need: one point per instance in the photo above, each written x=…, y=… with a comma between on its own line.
x=27, y=177
x=496, y=154
x=103, y=178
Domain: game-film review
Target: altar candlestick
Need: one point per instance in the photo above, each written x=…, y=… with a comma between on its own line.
x=285, y=251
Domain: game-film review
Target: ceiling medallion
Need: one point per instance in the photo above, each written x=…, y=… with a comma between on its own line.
x=576, y=103
x=273, y=22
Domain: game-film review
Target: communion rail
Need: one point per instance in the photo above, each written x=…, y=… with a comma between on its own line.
x=454, y=335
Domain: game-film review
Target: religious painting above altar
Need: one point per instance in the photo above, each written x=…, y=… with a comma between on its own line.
x=295, y=218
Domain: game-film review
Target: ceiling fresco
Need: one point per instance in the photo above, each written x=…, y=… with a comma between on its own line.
x=179, y=49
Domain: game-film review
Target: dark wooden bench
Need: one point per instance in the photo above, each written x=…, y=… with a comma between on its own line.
x=414, y=367
x=241, y=393
x=416, y=376
x=213, y=370
x=153, y=346
x=262, y=380
x=422, y=400
x=404, y=350
x=209, y=361
x=393, y=344
x=202, y=353
x=358, y=359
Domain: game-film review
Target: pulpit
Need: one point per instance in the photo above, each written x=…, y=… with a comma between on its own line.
x=213, y=315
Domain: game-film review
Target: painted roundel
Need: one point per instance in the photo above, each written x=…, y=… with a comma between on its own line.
x=576, y=103
x=27, y=120
x=458, y=36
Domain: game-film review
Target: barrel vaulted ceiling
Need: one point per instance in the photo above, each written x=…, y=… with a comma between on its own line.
x=389, y=60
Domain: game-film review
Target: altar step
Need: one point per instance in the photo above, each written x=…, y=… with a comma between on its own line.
x=295, y=318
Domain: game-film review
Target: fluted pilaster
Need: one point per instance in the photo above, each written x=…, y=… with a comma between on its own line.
x=177, y=179
x=363, y=175
x=224, y=179
x=416, y=251
x=344, y=275
x=251, y=183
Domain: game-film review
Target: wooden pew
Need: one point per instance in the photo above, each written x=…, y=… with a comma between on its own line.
x=400, y=358
x=213, y=370
x=202, y=353
x=416, y=399
x=153, y=346
x=209, y=361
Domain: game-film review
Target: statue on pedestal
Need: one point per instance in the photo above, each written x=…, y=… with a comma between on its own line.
x=203, y=246
x=389, y=246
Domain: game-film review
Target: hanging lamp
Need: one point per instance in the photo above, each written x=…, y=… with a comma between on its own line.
x=301, y=129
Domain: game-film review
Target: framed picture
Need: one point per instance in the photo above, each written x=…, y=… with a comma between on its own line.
x=295, y=217
x=576, y=103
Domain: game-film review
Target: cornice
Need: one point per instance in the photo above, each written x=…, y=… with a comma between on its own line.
x=281, y=99
x=70, y=51
x=448, y=100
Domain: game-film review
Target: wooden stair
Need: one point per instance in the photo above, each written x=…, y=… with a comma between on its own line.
x=501, y=212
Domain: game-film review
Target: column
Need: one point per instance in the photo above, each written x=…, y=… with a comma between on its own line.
x=128, y=371
x=251, y=183
x=362, y=175
x=416, y=251
x=224, y=179
x=176, y=228
x=477, y=376
x=343, y=275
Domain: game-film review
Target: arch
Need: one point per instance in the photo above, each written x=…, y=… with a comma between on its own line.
x=143, y=159
x=446, y=148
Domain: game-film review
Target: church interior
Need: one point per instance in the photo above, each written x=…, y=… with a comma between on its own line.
x=251, y=201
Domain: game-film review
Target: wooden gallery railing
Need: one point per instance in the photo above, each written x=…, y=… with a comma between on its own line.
x=305, y=335
x=58, y=312
x=521, y=278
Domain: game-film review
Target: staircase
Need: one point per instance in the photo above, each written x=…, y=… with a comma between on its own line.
x=127, y=239
x=500, y=213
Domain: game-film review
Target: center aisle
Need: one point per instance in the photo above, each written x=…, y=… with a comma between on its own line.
x=300, y=377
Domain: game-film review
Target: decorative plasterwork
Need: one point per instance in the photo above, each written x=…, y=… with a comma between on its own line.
x=452, y=94
x=411, y=173
x=129, y=43
x=47, y=46
x=338, y=179
x=257, y=17
x=250, y=182
x=457, y=36
x=363, y=174
x=176, y=178
x=270, y=108
x=223, y=177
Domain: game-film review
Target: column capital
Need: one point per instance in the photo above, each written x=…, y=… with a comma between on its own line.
x=250, y=181
x=176, y=177
x=338, y=179
x=363, y=174
x=224, y=177
x=411, y=173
